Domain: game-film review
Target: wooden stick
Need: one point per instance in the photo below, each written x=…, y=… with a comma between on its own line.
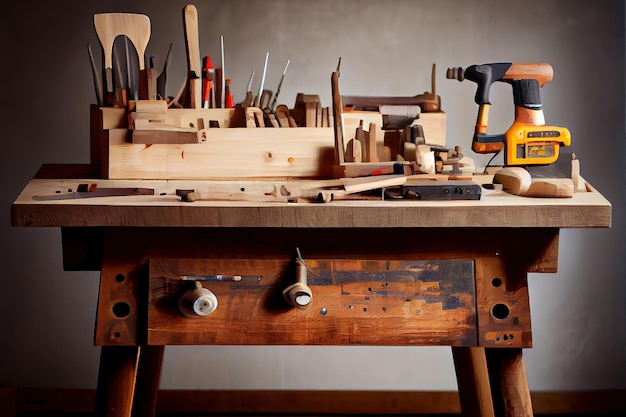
x=194, y=63
x=337, y=109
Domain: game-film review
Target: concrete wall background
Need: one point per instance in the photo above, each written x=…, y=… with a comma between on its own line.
x=387, y=47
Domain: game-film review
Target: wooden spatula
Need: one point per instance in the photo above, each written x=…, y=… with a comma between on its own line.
x=194, y=64
x=110, y=25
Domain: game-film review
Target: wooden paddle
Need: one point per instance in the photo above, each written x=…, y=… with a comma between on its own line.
x=194, y=63
x=136, y=27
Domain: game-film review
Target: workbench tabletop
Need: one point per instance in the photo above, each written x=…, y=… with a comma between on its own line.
x=165, y=209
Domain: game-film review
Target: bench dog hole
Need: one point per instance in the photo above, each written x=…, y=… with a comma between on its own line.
x=121, y=309
x=500, y=311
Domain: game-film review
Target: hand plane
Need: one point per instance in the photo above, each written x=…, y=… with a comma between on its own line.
x=528, y=141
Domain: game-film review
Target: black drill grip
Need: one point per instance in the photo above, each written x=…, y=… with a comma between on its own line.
x=484, y=75
x=526, y=93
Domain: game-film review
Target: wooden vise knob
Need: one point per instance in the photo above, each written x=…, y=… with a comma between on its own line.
x=197, y=301
x=299, y=294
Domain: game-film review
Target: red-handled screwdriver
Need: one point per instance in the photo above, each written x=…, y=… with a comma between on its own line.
x=208, y=73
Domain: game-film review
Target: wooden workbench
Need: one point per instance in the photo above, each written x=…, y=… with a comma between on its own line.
x=380, y=273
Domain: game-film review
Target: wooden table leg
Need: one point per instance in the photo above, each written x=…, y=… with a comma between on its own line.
x=509, y=385
x=116, y=381
x=473, y=381
x=148, y=377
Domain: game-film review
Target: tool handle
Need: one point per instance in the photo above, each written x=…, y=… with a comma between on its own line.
x=280, y=84
x=248, y=101
x=194, y=67
x=299, y=294
x=207, y=81
x=526, y=93
x=275, y=99
x=482, y=142
x=264, y=100
x=484, y=75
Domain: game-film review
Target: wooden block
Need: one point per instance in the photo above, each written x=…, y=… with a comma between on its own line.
x=230, y=153
x=109, y=117
x=147, y=84
x=119, y=136
x=354, y=151
x=579, y=182
x=148, y=109
x=370, y=144
x=551, y=187
x=309, y=105
x=384, y=153
x=254, y=117
x=311, y=114
x=283, y=118
x=272, y=119
x=517, y=180
x=145, y=124
x=434, y=126
x=150, y=137
x=351, y=169
x=324, y=113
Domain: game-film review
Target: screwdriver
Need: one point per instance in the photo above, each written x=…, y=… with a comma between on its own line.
x=208, y=93
x=249, y=100
x=280, y=83
x=257, y=101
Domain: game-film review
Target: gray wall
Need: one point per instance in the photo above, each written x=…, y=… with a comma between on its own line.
x=387, y=47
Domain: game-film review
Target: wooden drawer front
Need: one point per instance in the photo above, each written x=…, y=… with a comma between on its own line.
x=369, y=302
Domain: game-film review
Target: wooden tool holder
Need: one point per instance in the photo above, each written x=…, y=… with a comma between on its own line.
x=197, y=151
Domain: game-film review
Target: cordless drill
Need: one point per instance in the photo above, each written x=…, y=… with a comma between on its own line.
x=528, y=141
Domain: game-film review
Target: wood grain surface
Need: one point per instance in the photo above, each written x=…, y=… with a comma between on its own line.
x=494, y=209
x=375, y=271
x=354, y=302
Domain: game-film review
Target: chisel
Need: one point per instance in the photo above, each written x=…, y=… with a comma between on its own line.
x=249, y=100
